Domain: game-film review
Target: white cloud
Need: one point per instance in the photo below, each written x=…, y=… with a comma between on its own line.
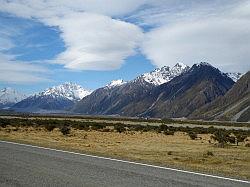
x=54, y=8
x=188, y=31
x=96, y=42
x=19, y=72
x=222, y=39
x=93, y=41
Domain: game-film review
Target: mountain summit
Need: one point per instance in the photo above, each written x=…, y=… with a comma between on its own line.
x=115, y=83
x=164, y=74
x=54, y=99
x=68, y=90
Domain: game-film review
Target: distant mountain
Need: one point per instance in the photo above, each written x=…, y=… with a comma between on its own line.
x=9, y=97
x=234, y=76
x=57, y=98
x=117, y=100
x=186, y=93
x=67, y=90
x=233, y=106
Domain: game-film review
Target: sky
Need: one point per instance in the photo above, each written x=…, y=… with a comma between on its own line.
x=91, y=42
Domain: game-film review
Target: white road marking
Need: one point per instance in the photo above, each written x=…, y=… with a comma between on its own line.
x=129, y=162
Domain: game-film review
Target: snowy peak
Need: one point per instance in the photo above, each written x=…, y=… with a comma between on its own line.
x=164, y=74
x=115, y=83
x=234, y=76
x=203, y=64
x=67, y=90
x=10, y=96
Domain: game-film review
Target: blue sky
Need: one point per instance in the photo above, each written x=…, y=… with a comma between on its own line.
x=45, y=44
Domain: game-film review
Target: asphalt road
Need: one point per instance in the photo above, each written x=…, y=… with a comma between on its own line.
x=22, y=165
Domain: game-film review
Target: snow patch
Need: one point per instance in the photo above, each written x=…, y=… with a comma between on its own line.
x=67, y=90
x=234, y=76
x=10, y=96
x=164, y=74
x=115, y=83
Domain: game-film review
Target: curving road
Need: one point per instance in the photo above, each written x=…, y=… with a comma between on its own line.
x=25, y=165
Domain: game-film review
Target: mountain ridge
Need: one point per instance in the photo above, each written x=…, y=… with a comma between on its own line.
x=9, y=97
x=56, y=98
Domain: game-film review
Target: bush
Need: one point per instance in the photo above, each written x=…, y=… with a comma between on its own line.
x=65, y=130
x=97, y=126
x=50, y=127
x=3, y=125
x=209, y=153
x=119, y=128
x=221, y=136
x=192, y=135
x=240, y=138
x=168, y=132
x=170, y=152
x=82, y=127
x=231, y=139
x=247, y=145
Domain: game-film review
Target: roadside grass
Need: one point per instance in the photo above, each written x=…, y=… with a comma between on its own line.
x=138, y=143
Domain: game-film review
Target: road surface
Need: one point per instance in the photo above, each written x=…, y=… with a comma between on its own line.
x=24, y=165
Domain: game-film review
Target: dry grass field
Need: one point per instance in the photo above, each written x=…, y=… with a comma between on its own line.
x=176, y=150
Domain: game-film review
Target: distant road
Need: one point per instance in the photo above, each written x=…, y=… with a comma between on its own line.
x=24, y=165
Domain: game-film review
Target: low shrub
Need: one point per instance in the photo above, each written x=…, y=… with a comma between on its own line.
x=65, y=130
x=247, y=145
x=119, y=128
x=221, y=136
x=168, y=132
x=209, y=153
x=192, y=135
x=97, y=127
x=50, y=127
x=240, y=138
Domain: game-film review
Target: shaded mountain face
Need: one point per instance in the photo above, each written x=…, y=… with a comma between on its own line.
x=113, y=100
x=118, y=99
x=58, y=98
x=233, y=106
x=188, y=92
x=9, y=97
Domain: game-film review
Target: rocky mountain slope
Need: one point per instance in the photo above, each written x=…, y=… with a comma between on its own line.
x=9, y=97
x=178, y=96
x=57, y=98
x=188, y=92
x=118, y=99
x=233, y=106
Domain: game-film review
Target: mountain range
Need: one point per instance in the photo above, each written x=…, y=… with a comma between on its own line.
x=54, y=99
x=117, y=100
x=9, y=97
x=196, y=92
x=178, y=95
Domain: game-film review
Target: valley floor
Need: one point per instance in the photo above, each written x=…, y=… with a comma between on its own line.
x=177, y=150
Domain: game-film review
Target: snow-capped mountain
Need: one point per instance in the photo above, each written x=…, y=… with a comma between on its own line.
x=68, y=90
x=115, y=83
x=234, y=76
x=55, y=99
x=164, y=74
x=9, y=97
